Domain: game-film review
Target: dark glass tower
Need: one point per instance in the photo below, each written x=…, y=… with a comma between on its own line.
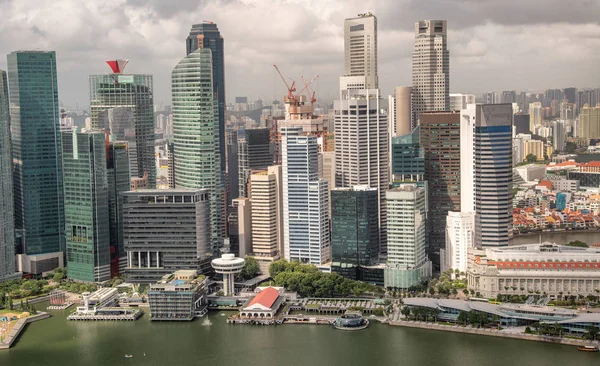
x=254, y=153
x=354, y=229
x=408, y=160
x=119, y=180
x=37, y=161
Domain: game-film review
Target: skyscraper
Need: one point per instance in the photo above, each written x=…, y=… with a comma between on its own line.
x=195, y=129
x=7, y=223
x=459, y=238
x=361, y=145
x=119, y=180
x=440, y=140
x=360, y=48
x=431, y=68
x=305, y=200
x=254, y=153
x=123, y=104
x=407, y=157
x=354, y=230
x=407, y=264
x=206, y=35
x=486, y=171
x=232, y=166
x=588, y=126
x=535, y=115
x=37, y=160
x=86, y=206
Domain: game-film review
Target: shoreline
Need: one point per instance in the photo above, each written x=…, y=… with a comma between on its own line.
x=18, y=328
x=491, y=333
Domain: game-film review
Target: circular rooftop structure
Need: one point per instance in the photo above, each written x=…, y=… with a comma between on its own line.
x=228, y=263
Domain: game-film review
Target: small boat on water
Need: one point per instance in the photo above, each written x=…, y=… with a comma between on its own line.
x=588, y=348
x=128, y=356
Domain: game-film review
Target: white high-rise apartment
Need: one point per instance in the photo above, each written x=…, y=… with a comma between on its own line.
x=431, y=68
x=361, y=145
x=305, y=200
x=360, y=48
x=460, y=228
x=486, y=171
x=460, y=101
x=267, y=231
x=407, y=263
x=535, y=116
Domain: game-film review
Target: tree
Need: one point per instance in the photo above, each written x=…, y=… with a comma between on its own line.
x=531, y=158
x=58, y=276
x=592, y=332
x=463, y=317
x=250, y=270
x=405, y=311
x=9, y=303
x=577, y=243
x=570, y=147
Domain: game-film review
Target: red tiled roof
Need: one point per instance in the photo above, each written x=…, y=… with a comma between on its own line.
x=266, y=297
x=544, y=265
x=595, y=164
x=545, y=183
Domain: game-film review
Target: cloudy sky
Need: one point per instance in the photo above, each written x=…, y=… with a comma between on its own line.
x=494, y=44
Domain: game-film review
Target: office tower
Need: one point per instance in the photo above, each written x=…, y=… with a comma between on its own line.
x=119, y=180
x=195, y=132
x=171, y=164
x=7, y=223
x=570, y=94
x=460, y=101
x=535, y=116
x=354, y=230
x=207, y=36
x=399, y=112
x=567, y=111
x=360, y=48
x=123, y=104
x=267, y=230
x=588, y=126
x=232, y=165
x=37, y=160
x=440, y=141
x=431, y=68
x=407, y=263
x=165, y=230
x=87, y=226
x=558, y=135
x=486, y=171
x=305, y=205
x=408, y=160
x=361, y=145
x=459, y=230
x=521, y=123
x=240, y=227
x=509, y=96
x=254, y=153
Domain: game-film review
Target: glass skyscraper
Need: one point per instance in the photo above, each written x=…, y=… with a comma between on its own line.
x=194, y=129
x=354, y=229
x=86, y=206
x=7, y=224
x=37, y=161
x=254, y=153
x=119, y=180
x=124, y=105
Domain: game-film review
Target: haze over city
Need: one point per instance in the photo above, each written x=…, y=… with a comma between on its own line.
x=494, y=45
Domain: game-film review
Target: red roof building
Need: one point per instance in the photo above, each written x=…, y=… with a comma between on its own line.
x=264, y=305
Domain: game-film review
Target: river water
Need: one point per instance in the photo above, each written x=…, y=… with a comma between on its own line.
x=56, y=341
x=588, y=237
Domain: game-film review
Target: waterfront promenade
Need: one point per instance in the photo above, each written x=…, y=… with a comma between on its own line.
x=18, y=327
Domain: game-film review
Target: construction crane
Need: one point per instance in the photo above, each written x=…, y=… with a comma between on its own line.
x=312, y=97
x=290, y=88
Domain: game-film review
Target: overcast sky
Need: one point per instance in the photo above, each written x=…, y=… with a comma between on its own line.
x=494, y=44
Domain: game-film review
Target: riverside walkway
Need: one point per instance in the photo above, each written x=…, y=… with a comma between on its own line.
x=18, y=327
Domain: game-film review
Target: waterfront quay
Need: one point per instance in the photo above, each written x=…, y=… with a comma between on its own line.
x=110, y=314
x=14, y=332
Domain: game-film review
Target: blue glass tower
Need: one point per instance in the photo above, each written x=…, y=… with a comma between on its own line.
x=37, y=161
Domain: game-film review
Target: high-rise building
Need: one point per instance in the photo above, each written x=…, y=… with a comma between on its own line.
x=37, y=160
x=431, y=68
x=87, y=225
x=240, y=227
x=207, y=36
x=460, y=101
x=570, y=94
x=254, y=153
x=123, y=104
x=165, y=230
x=588, y=125
x=267, y=230
x=535, y=115
x=399, y=112
x=558, y=135
x=521, y=123
x=7, y=223
x=361, y=145
x=232, y=165
x=460, y=229
x=360, y=48
x=407, y=157
x=509, y=96
x=305, y=202
x=195, y=131
x=407, y=263
x=440, y=141
x=354, y=230
x=533, y=147
x=486, y=171
x=171, y=164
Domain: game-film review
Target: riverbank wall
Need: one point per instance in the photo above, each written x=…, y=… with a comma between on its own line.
x=490, y=332
x=16, y=330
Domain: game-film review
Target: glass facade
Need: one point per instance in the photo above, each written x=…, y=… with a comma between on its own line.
x=7, y=224
x=86, y=206
x=254, y=153
x=194, y=134
x=354, y=230
x=124, y=105
x=408, y=159
x=37, y=161
x=586, y=179
x=119, y=180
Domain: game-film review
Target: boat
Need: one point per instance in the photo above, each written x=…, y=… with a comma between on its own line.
x=128, y=356
x=588, y=348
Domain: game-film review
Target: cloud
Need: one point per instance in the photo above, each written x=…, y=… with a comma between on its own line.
x=494, y=45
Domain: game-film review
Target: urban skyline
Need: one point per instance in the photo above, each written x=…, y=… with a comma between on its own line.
x=478, y=38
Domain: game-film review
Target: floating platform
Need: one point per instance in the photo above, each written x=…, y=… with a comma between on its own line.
x=109, y=314
x=60, y=307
